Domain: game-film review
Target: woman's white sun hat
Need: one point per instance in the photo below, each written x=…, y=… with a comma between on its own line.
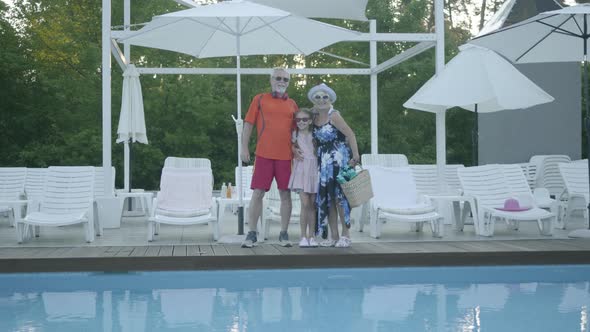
x=322, y=87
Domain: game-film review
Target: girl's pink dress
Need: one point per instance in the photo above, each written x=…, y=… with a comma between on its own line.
x=304, y=173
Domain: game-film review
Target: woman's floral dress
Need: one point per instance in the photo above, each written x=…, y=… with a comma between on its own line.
x=333, y=154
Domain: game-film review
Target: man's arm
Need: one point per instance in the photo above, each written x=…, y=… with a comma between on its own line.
x=246, y=133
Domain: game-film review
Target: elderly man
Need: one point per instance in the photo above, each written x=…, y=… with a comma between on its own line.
x=272, y=114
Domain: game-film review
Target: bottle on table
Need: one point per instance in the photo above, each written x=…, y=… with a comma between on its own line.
x=228, y=193
x=223, y=191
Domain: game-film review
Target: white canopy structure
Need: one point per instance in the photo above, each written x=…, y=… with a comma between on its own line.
x=343, y=9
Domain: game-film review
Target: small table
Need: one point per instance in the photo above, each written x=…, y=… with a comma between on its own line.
x=15, y=206
x=146, y=198
x=456, y=199
x=222, y=202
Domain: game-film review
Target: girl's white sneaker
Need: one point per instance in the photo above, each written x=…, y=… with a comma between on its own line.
x=303, y=243
x=313, y=243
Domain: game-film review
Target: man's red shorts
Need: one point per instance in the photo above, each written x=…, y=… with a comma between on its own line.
x=267, y=169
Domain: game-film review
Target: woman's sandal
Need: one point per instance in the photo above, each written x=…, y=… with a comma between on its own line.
x=343, y=242
x=327, y=243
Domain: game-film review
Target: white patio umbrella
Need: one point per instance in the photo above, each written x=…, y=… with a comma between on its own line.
x=553, y=36
x=131, y=120
x=236, y=28
x=478, y=80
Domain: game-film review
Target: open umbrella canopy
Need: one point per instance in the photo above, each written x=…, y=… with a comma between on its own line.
x=553, y=36
x=211, y=31
x=478, y=76
x=131, y=120
x=479, y=80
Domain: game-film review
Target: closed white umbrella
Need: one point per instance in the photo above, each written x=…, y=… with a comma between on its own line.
x=554, y=36
x=479, y=80
x=236, y=28
x=131, y=120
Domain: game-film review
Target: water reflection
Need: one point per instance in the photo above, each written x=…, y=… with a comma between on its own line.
x=69, y=306
x=345, y=304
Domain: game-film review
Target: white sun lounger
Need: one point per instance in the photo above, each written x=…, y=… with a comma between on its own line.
x=185, y=198
x=12, y=190
x=518, y=184
x=396, y=199
x=575, y=177
x=489, y=188
x=68, y=198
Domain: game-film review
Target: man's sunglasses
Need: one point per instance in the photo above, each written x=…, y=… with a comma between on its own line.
x=279, y=78
x=302, y=119
x=318, y=97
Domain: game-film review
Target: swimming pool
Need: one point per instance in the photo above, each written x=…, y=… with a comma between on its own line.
x=515, y=298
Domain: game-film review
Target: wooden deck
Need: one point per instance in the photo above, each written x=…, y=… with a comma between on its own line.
x=217, y=256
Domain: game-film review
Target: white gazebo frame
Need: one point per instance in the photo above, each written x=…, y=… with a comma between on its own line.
x=425, y=41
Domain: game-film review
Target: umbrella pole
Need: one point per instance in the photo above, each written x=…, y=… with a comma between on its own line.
x=130, y=205
x=585, y=233
x=239, y=179
x=587, y=118
x=475, y=140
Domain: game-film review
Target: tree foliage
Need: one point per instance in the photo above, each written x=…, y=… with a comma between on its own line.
x=50, y=87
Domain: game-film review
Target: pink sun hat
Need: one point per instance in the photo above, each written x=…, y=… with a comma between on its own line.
x=513, y=205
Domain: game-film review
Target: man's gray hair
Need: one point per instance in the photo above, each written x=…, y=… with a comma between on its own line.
x=276, y=69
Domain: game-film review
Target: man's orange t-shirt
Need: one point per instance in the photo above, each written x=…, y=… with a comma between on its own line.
x=274, y=125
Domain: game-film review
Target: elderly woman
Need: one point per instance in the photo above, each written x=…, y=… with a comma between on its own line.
x=337, y=149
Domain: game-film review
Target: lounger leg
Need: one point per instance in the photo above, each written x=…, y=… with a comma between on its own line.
x=89, y=228
x=150, y=231
x=266, y=229
x=11, y=217
x=215, y=229
x=437, y=227
x=373, y=225
x=365, y=211
x=96, y=226
x=459, y=216
x=546, y=225
x=417, y=226
x=487, y=224
x=19, y=232
x=479, y=222
x=30, y=231
x=561, y=216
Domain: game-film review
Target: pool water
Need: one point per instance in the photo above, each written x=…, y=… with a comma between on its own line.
x=515, y=298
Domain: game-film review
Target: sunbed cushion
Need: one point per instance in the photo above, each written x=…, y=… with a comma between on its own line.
x=182, y=213
x=413, y=210
x=184, y=192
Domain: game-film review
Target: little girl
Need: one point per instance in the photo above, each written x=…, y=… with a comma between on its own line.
x=304, y=176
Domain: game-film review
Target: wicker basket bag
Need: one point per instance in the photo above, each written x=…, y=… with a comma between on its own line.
x=358, y=190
